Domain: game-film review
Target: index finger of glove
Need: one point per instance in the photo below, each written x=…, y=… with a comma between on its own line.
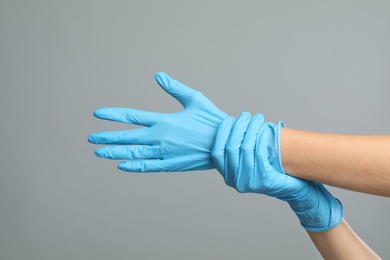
x=135, y=136
x=175, y=88
x=127, y=115
x=269, y=180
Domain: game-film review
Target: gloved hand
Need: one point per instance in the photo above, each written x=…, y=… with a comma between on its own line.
x=170, y=142
x=247, y=153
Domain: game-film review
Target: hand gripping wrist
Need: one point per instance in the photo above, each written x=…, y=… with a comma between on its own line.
x=246, y=152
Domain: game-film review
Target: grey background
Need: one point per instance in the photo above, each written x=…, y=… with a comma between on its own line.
x=316, y=65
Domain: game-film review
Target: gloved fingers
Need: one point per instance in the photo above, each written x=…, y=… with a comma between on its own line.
x=263, y=167
x=136, y=136
x=248, y=148
x=233, y=148
x=176, y=89
x=130, y=152
x=269, y=180
x=130, y=116
x=218, y=148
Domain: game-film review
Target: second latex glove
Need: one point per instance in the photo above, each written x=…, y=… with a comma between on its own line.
x=246, y=152
x=169, y=141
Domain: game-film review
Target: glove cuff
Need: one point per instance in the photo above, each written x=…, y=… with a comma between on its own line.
x=319, y=211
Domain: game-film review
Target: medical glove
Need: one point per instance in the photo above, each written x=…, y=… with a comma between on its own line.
x=246, y=152
x=168, y=142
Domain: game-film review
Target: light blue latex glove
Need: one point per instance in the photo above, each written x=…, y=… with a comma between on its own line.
x=246, y=152
x=169, y=142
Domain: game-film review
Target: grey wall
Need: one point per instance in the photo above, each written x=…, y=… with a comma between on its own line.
x=316, y=65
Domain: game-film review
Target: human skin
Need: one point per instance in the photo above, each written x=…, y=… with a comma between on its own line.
x=341, y=242
x=359, y=163
x=354, y=162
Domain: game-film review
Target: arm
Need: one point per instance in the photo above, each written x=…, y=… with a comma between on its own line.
x=341, y=242
x=360, y=163
x=246, y=153
x=355, y=162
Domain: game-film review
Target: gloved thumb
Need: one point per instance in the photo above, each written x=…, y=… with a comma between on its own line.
x=173, y=87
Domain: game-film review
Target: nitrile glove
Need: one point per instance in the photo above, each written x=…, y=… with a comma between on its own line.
x=246, y=152
x=169, y=142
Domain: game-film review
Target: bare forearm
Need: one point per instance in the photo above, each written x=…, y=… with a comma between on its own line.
x=341, y=242
x=355, y=162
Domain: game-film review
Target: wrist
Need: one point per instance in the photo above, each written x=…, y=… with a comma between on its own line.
x=317, y=211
